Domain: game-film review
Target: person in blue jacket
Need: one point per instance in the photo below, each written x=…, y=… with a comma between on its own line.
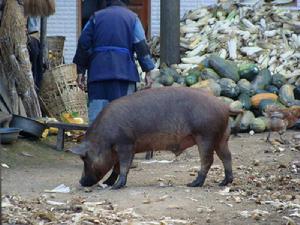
x=106, y=50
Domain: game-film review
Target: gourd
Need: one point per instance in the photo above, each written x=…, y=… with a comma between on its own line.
x=286, y=94
x=245, y=87
x=245, y=100
x=208, y=73
x=278, y=80
x=226, y=100
x=224, y=68
x=247, y=118
x=236, y=105
x=262, y=80
x=229, y=88
x=258, y=125
x=256, y=99
x=166, y=80
x=272, y=89
x=210, y=85
x=297, y=92
x=248, y=71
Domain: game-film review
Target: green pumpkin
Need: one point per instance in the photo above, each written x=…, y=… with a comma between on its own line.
x=166, y=80
x=278, y=80
x=262, y=80
x=257, y=125
x=297, y=93
x=167, y=71
x=225, y=100
x=248, y=71
x=245, y=100
x=191, y=79
x=247, y=118
x=229, y=88
x=245, y=87
x=208, y=73
x=224, y=68
x=272, y=89
x=286, y=95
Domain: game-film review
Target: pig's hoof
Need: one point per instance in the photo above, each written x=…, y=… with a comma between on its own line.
x=195, y=183
x=117, y=186
x=120, y=183
x=226, y=181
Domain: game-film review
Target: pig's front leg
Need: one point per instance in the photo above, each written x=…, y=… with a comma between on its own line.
x=113, y=176
x=125, y=155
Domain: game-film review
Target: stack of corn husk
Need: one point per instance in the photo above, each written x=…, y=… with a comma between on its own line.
x=267, y=35
x=263, y=35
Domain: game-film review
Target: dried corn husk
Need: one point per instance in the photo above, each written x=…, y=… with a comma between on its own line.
x=265, y=34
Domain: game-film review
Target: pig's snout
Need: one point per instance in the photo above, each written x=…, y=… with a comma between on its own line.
x=88, y=181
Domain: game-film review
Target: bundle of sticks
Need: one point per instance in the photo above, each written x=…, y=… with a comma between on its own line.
x=39, y=7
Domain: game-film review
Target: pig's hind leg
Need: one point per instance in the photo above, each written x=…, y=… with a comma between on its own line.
x=110, y=181
x=225, y=155
x=205, y=147
x=125, y=157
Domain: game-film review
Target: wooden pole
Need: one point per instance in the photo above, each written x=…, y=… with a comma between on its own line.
x=169, y=31
x=43, y=40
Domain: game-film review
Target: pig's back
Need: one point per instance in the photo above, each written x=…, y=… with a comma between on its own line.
x=165, y=110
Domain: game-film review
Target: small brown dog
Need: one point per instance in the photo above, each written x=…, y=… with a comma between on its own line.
x=281, y=119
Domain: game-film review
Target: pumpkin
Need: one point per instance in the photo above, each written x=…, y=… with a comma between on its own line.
x=229, y=88
x=278, y=80
x=272, y=89
x=247, y=118
x=236, y=105
x=181, y=80
x=256, y=99
x=264, y=104
x=248, y=71
x=226, y=100
x=257, y=125
x=209, y=74
x=245, y=87
x=166, y=80
x=210, y=85
x=169, y=72
x=245, y=100
x=286, y=95
x=297, y=92
x=191, y=79
x=224, y=68
x=267, y=122
x=262, y=80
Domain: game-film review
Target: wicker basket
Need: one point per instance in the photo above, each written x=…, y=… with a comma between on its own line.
x=55, y=50
x=60, y=92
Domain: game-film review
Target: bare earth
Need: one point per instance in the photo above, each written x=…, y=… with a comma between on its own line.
x=266, y=178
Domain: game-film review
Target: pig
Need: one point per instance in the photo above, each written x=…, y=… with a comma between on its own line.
x=168, y=118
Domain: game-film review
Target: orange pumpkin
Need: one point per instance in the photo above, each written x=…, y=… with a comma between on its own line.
x=256, y=99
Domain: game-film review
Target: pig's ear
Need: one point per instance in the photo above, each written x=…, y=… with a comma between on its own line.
x=79, y=149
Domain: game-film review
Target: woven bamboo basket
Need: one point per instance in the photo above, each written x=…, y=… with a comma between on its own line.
x=55, y=50
x=60, y=92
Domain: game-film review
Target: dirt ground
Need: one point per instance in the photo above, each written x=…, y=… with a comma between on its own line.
x=266, y=189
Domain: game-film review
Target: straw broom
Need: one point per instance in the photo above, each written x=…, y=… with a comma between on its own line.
x=39, y=7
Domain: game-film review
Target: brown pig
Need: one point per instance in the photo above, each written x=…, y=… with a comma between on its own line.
x=169, y=118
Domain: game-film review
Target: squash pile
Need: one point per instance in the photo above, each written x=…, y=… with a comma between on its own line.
x=242, y=86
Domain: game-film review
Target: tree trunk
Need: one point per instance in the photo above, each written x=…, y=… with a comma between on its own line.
x=15, y=66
